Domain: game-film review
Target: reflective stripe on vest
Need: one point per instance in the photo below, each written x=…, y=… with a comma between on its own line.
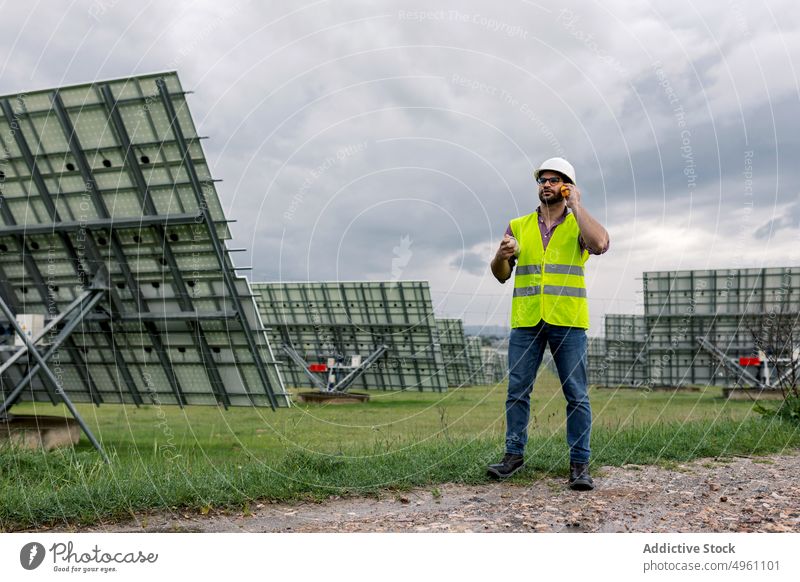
x=564, y=269
x=550, y=290
x=549, y=284
x=529, y=269
x=563, y=290
x=527, y=291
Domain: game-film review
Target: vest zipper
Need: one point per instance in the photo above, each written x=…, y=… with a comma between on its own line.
x=541, y=282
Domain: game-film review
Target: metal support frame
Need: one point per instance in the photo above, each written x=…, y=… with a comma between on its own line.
x=458, y=362
x=93, y=298
x=406, y=320
x=343, y=384
x=362, y=289
x=320, y=344
x=88, y=260
x=97, y=224
x=736, y=371
x=432, y=331
x=44, y=193
x=149, y=316
x=338, y=336
x=48, y=373
x=121, y=190
x=63, y=234
x=119, y=256
x=385, y=324
x=283, y=330
x=46, y=329
x=119, y=364
x=298, y=359
x=350, y=327
x=33, y=271
x=183, y=297
x=230, y=283
x=792, y=369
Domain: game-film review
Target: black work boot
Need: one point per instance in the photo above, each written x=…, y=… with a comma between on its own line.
x=579, y=478
x=508, y=466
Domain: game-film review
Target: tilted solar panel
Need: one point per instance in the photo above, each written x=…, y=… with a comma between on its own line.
x=454, y=351
x=106, y=192
x=353, y=318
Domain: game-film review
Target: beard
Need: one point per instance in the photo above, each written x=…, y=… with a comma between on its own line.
x=549, y=201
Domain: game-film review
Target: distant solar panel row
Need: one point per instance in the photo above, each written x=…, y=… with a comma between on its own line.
x=318, y=319
x=732, y=309
x=454, y=351
x=495, y=366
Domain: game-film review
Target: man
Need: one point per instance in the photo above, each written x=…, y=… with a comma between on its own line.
x=549, y=307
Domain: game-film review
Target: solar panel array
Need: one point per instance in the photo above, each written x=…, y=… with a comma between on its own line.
x=454, y=351
x=626, y=353
x=495, y=365
x=111, y=177
x=598, y=364
x=726, y=307
x=477, y=368
x=319, y=319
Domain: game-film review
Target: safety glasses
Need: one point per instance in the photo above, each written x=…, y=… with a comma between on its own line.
x=553, y=180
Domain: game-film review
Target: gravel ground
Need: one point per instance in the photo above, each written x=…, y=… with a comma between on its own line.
x=740, y=494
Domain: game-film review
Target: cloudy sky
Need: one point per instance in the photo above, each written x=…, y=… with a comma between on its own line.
x=395, y=140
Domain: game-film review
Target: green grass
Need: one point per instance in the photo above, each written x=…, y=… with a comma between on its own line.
x=201, y=458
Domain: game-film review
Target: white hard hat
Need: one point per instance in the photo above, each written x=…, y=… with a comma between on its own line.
x=556, y=165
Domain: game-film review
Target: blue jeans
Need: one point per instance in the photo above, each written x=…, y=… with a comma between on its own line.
x=525, y=351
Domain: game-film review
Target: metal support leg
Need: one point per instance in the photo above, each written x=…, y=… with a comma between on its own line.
x=50, y=325
x=47, y=372
x=59, y=339
x=736, y=371
x=790, y=370
x=297, y=359
x=343, y=384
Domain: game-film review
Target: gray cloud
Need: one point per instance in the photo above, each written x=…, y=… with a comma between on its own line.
x=342, y=129
x=472, y=263
x=789, y=220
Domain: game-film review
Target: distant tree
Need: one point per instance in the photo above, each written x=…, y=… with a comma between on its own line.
x=776, y=335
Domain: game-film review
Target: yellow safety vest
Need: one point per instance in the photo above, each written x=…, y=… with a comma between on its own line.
x=549, y=284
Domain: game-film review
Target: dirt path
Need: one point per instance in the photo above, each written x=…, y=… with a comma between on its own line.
x=754, y=494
